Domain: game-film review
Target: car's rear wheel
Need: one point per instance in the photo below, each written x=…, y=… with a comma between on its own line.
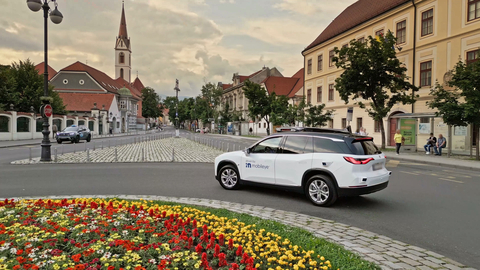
x=321, y=190
x=77, y=140
x=89, y=138
x=59, y=141
x=229, y=177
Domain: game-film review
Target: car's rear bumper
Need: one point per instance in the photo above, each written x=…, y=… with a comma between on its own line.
x=346, y=192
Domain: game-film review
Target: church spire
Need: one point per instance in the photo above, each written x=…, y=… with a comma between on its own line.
x=123, y=24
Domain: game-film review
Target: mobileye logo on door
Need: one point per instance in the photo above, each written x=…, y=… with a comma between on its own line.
x=257, y=166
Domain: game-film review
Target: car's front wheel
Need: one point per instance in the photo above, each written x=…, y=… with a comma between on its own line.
x=77, y=140
x=321, y=190
x=59, y=141
x=229, y=178
x=89, y=138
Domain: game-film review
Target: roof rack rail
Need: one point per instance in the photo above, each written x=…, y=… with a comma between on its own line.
x=312, y=129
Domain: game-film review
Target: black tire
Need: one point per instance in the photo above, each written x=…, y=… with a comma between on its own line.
x=59, y=141
x=321, y=190
x=89, y=138
x=77, y=140
x=229, y=177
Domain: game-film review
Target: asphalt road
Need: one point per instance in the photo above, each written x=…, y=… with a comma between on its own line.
x=427, y=206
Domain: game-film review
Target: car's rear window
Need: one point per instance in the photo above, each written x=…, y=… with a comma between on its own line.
x=365, y=148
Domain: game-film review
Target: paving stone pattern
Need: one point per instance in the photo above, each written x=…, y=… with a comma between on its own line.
x=382, y=250
x=146, y=149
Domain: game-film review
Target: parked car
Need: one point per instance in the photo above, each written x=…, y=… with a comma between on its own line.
x=74, y=134
x=324, y=164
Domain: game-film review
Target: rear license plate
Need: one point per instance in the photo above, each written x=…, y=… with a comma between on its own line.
x=377, y=166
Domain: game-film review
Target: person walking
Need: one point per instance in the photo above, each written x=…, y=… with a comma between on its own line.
x=399, y=139
x=54, y=130
x=432, y=141
x=441, y=143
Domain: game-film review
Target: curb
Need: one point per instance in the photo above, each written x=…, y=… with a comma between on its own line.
x=381, y=250
x=455, y=166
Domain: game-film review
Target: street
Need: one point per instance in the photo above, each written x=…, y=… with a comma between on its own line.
x=428, y=206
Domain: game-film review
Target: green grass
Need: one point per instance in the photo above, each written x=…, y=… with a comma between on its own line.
x=338, y=256
x=388, y=150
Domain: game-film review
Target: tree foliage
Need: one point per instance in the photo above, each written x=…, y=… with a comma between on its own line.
x=315, y=117
x=271, y=108
x=22, y=86
x=373, y=74
x=151, y=103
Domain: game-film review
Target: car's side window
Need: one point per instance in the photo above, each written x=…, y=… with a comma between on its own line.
x=298, y=145
x=322, y=145
x=268, y=146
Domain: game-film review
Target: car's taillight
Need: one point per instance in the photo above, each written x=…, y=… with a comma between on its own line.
x=358, y=161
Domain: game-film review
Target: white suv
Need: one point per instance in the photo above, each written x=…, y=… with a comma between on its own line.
x=323, y=164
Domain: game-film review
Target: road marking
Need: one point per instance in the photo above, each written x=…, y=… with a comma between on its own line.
x=413, y=164
x=450, y=180
x=410, y=173
x=392, y=163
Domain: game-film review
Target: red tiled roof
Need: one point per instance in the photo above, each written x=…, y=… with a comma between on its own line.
x=301, y=77
x=83, y=102
x=102, y=79
x=41, y=70
x=356, y=14
x=282, y=86
x=138, y=84
x=135, y=92
x=226, y=86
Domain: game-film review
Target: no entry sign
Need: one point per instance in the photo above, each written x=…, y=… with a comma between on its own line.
x=47, y=110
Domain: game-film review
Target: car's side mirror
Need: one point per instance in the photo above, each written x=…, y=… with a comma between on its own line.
x=247, y=151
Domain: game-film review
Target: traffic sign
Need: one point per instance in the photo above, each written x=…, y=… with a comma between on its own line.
x=47, y=110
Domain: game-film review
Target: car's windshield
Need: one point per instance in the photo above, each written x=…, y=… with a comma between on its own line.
x=71, y=129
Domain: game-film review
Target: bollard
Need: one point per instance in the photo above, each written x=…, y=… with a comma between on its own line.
x=228, y=146
x=173, y=154
x=74, y=147
x=88, y=155
x=116, y=156
x=102, y=145
x=62, y=149
x=55, y=158
x=85, y=143
x=109, y=144
x=30, y=155
x=143, y=154
x=93, y=146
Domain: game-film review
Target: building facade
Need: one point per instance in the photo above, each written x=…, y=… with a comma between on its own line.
x=433, y=35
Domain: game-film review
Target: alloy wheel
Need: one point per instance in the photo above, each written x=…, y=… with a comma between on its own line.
x=229, y=178
x=319, y=191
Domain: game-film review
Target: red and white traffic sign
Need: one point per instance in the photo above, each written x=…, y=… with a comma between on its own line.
x=48, y=110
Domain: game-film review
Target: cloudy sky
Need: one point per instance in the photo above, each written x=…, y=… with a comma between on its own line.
x=192, y=40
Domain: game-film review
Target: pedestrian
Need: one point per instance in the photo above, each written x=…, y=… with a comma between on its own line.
x=363, y=131
x=54, y=130
x=110, y=130
x=431, y=141
x=399, y=139
x=441, y=143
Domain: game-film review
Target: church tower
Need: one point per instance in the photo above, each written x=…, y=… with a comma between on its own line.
x=123, y=51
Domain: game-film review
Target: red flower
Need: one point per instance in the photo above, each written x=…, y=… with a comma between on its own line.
x=239, y=251
x=79, y=267
x=111, y=267
x=234, y=266
x=230, y=243
x=198, y=248
x=76, y=258
x=222, y=260
x=221, y=239
x=216, y=251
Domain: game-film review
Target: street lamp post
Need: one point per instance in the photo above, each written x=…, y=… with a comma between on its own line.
x=56, y=17
x=177, y=132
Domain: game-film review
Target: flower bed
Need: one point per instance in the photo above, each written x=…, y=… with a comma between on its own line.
x=114, y=234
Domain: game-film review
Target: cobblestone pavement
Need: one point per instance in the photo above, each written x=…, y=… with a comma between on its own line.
x=148, y=149
x=384, y=251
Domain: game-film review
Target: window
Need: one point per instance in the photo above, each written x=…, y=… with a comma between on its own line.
x=344, y=122
x=331, y=93
x=365, y=148
x=309, y=96
x=118, y=124
x=361, y=40
x=321, y=145
x=359, y=123
x=472, y=56
x=39, y=125
x=121, y=73
x=320, y=62
x=81, y=122
x=473, y=9
x=424, y=120
x=4, y=123
x=69, y=122
x=426, y=74
x=121, y=58
x=23, y=124
x=330, y=123
x=123, y=104
x=401, y=32
x=427, y=22
x=298, y=145
x=319, y=94
x=91, y=124
x=264, y=125
x=309, y=66
x=269, y=146
x=259, y=125
x=331, y=54
x=377, y=126
x=379, y=33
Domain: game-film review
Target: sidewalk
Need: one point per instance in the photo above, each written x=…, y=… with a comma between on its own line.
x=458, y=162
x=31, y=142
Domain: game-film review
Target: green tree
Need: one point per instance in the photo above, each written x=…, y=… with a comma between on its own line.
x=271, y=108
x=151, y=106
x=296, y=113
x=315, y=117
x=373, y=73
x=459, y=106
x=23, y=88
x=212, y=95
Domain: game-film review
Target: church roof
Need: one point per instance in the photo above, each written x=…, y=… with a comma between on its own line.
x=41, y=70
x=83, y=102
x=123, y=25
x=138, y=84
x=136, y=93
x=101, y=78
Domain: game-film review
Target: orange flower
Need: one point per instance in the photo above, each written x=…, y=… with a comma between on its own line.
x=76, y=258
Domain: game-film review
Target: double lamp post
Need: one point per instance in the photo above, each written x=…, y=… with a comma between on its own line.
x=56, y=17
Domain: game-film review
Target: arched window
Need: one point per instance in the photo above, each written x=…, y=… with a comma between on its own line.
x=4, y=123
x=122, y=58
x=121, y=73
x=81, y=122
x=23, y=124
x=69, y=122
x=91, y=124
x=39, y=125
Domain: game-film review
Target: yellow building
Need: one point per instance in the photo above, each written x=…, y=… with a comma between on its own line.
x=432, y=36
